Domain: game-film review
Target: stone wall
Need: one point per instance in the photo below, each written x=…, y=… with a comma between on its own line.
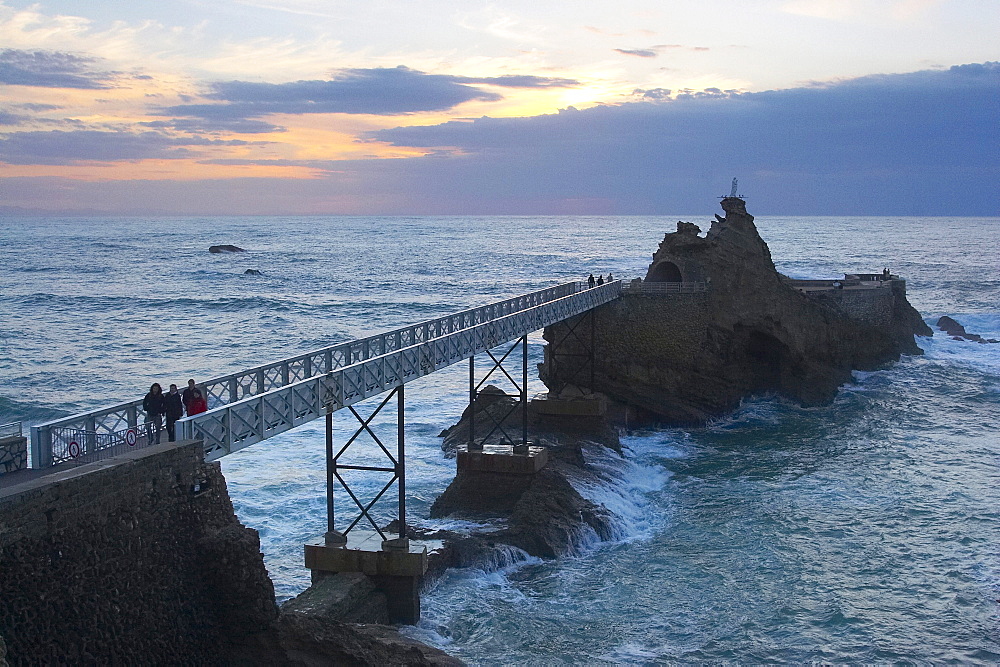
x=873, y=307
x=13, y=454
x=666, y=328
x=135, y=560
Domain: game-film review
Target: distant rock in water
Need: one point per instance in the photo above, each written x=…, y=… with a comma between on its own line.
x=958, y=332
x=714, y=322
x=216, y=249
x=252, y=272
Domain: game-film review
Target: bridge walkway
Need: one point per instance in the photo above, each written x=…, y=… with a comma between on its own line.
x=255, y=404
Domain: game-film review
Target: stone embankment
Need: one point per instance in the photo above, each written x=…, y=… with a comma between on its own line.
x=140, y=559
x=686, y=358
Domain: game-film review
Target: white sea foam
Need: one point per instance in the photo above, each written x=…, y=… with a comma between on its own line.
x=622, y=485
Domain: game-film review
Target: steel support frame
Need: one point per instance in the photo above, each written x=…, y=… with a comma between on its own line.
x=476, y=444
x=584, y=360
x=398, y=470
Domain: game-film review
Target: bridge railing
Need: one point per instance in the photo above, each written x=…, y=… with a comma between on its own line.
x=233, y=426
x=48, y=437
x=647, y=287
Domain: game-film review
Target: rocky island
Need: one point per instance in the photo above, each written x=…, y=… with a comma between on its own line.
x=714, y=322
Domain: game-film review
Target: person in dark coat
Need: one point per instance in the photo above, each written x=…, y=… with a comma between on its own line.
x=188, y=395
x=175, y=410
x=590, y=281
x=155, y=406
x=600, y=280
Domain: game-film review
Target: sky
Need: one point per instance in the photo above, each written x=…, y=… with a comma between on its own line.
x=637, y=107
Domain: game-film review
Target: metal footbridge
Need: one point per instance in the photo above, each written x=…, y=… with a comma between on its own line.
x=253, y=405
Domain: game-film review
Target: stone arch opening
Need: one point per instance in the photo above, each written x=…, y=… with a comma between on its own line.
x=666, y=272
x=767, y=359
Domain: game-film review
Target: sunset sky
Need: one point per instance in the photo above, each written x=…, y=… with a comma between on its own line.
x=632, y=107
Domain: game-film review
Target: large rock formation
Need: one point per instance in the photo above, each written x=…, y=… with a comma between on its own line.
x=687, y=357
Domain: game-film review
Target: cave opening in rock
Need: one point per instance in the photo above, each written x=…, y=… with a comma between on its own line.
x=666, y=272
x=766, y=358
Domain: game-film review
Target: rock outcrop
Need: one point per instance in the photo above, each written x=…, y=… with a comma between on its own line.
x=958, y=332
x=217, y=249
x=741, y=329
x=540, y=513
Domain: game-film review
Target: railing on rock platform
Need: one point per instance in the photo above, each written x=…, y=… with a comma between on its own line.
x=648, y=287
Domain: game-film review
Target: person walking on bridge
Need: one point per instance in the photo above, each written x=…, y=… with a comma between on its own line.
x=155, y=405
x=175, y=410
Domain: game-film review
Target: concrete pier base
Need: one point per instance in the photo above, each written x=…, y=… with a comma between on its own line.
x=508, y=459
x=573, y=406
x=396, y=569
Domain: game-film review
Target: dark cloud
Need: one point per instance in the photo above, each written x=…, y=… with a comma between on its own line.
x=923, y=143
x=641, y=53
x=917, y=143
x=8, y=118
x=653, y=93
x=380, y=91
x=58, y=147
x=51, y=69
x=30, y=106
x=206, y=125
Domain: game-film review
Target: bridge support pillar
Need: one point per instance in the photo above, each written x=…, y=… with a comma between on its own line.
x=518, y=446
x=397, y=572
x=393, y=565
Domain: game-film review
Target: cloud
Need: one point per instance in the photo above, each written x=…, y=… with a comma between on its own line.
x=923, y=143
x=916, y=143
x=378, y=91
x=8, y=118
x=520, y=81
x=58, y=147
x=205, y=125
x=641, y=53
x=51, y=69
x=653, y=93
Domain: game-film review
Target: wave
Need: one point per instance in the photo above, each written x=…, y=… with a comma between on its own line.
x=26, y=413
x=622, y=485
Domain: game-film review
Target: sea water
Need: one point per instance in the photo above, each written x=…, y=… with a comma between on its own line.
x=867, y=530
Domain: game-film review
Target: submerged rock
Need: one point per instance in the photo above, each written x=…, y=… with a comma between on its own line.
x=252, y=272
x=216, y=249
x=738, y=328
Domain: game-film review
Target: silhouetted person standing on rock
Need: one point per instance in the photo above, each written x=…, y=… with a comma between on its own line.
x=155, y=405
x=175, y=410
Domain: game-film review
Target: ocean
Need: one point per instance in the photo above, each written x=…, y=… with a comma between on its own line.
x=863, y=531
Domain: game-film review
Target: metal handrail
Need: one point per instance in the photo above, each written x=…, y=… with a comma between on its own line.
x=648, y=287
x=234, y=426
x=11, y=430
x=252, y=382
